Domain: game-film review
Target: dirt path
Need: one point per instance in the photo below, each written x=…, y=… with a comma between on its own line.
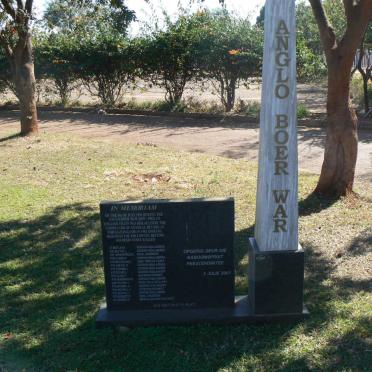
x=227, y=138
x=313, y=97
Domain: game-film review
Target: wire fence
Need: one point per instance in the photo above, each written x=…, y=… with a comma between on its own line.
x=366, y=60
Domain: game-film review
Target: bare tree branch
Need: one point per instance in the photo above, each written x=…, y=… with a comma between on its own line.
x=9, y=8
x=327, y=34
x=29, y=4
x=358, y=14
x=8, y=50
x=20, y=5
x=349, y=6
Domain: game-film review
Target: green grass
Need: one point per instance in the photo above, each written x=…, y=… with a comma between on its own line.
x=302, y=111
x=193, y=105
x=51, y=277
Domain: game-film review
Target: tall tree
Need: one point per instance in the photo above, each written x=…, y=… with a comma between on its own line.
x=88, y=17
x=341, y=147
x=16, y=40
x=169, y=58
x=85, y=43
x=231, y=53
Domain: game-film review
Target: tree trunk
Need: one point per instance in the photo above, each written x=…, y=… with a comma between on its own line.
x=230, y=96
x=365, y=90
x=341, y=146
x=24, y=78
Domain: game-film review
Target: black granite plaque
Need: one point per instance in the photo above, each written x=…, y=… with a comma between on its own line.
x=164, y=254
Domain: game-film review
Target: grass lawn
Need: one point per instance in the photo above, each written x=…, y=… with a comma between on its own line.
x=51, y=277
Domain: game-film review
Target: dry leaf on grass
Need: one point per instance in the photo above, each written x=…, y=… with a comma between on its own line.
x=146, y=144
x=151, y=178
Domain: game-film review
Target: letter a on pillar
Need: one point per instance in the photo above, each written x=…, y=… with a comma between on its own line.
x=279, y=103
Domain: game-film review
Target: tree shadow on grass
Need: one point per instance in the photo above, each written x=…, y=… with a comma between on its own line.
x=314, y=203
x=10, y=137
x=361, y=244
x=319, y=269
x=326, y=295
x=51, y=268
x=135, y=122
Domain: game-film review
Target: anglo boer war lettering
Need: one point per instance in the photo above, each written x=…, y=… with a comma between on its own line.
x=282, y=60
x=276, y=261
x=281, y=138
x=276, y=212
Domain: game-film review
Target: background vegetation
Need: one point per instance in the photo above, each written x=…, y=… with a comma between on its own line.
x=84, y=45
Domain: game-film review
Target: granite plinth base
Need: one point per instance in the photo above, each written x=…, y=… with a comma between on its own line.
x=240, y=313
x=275, y=280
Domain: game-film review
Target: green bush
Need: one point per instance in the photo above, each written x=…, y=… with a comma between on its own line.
x=3, y=88
x=189, y=104
x=133, y=104
x=302, y=111
x=310, y=66
x=193, y=104
x=6, y=81
x=231, y=54
x=169, y=58
x=251, y=109
x=105, y=66
x=357, y=92
x=85, y=42
x=162, y=106
x=55, y=63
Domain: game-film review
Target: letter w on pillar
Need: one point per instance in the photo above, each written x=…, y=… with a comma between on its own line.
x=280, y=196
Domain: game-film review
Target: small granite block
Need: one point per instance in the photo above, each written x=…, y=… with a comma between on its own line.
x=276, y=280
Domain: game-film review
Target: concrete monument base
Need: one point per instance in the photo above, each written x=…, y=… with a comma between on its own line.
x=275, y=280
x=240, y=313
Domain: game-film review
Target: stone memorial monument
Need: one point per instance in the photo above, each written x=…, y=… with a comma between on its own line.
x=172, y=261
x=276, y=262
x=167, y=261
